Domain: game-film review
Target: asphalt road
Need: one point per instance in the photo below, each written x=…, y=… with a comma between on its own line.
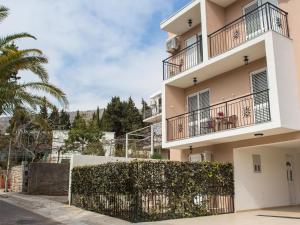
x=13, y=215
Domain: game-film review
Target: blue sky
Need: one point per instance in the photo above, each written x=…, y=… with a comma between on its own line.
x=96, y=48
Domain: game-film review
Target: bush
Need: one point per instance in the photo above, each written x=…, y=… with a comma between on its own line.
x=147, y=190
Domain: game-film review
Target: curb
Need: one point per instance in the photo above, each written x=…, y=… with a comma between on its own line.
x=3, y=195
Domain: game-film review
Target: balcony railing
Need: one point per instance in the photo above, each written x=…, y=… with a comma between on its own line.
x=183, y=60
x=251, y=25
x=239, y=112
x=152, y=112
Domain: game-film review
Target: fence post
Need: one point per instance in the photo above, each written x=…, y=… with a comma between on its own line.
x=126, y=146
x=152, y=140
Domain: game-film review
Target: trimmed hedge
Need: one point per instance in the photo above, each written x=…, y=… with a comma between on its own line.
x=147, y=190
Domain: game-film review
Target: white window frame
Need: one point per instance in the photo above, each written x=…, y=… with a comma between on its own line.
x=198, y=122
x=249, y=36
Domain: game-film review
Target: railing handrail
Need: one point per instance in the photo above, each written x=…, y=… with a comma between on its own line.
x=148, y=113
x=172, y=56
x=179, y=10
x=245, y=15
x=221, y=103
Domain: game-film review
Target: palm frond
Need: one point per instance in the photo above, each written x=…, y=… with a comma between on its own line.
x=14, y=63
x=8, y=39
x=3, y=12
x=51, y=89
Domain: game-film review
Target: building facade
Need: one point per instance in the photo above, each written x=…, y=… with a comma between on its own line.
x=231, y=93
x=153, y=117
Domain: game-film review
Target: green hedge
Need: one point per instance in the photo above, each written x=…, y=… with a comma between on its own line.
x=148, y=190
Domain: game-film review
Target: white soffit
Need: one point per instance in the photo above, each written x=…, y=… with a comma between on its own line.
x=223, y=3
x=205, y=72
x=178, y=23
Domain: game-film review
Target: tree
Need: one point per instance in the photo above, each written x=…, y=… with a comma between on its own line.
x=85, y=137
x=113, y=116
x=44, y=109
x=133, y=119
x=12, y=61
x=54, y=118
x=31, y=133
x=121, y=117
x=98, y=117
x=64, y=120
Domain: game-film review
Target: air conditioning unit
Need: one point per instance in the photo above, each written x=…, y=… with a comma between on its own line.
x=172, y=45
x=201, y=157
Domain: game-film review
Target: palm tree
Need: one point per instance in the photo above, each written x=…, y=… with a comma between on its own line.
x=12, y=60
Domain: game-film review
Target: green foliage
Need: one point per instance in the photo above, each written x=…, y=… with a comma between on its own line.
x=64, y=120
x=44, y=109
x=94, y=148
x=173, y=185
x=121, y=117
x=156, y=155
x=85, y=136
x=12, y=61
x=54, y=119
x=30, y=133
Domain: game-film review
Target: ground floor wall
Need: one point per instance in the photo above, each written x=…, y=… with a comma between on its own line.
x=224, y=152
x=268, y=186
x=274, y=185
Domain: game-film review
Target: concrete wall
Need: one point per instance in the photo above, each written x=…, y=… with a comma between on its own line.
x=228, y=85
x=268, y=188
x=48, y=179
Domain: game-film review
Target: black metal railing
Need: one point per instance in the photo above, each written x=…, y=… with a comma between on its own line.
x=239, y=112
x=152, y=112
x=251, y=25
x=183, y=60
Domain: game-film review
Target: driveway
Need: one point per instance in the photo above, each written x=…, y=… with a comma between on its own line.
x=49, y=207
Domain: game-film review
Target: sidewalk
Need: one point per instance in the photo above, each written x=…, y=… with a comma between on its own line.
x=50, y=207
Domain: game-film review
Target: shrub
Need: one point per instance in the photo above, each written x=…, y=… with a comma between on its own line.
x=148, y=190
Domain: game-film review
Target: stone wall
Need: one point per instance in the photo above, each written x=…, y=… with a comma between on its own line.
x=48, y=179
x=19, y=178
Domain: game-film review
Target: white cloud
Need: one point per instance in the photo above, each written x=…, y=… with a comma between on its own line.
x=96, y=48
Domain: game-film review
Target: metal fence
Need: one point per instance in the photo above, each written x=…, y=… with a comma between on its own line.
x=251, y=25
x=240, y=112
x=183, y=60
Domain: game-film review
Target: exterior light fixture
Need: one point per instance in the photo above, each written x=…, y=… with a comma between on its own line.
x=190, y=22
x=246, y=60
x=259, y=135
x=195, y=80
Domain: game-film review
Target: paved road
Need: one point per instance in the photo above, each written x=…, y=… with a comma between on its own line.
x=12, y=215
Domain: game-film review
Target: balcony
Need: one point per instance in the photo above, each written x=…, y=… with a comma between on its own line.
x=183, y=60
x=265, y=18
x=152, y=114
x=240, y=112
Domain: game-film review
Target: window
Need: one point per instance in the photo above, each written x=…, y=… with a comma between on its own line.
x=256, y=163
